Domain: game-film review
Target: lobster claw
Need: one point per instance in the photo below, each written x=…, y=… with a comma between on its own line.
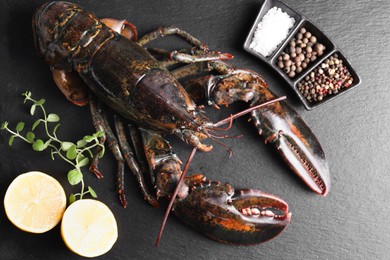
x=241, y=217
x=278, y=124
x=296, y=143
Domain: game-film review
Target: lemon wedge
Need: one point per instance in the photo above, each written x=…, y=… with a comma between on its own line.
x=35, y=202
x=89, y=228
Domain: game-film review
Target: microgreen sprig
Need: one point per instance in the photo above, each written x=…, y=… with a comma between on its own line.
x=76, y=154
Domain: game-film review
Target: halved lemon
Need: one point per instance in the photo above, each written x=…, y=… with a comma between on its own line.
x=35, y=202
x=89, y=228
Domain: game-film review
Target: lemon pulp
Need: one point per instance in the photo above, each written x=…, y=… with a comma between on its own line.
x=89, y=228
x=35, y=202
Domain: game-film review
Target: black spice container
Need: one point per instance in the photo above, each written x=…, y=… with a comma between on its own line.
x=327, y=85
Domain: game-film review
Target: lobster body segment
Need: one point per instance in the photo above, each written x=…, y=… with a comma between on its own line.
x=85, y=53
x=138, y=87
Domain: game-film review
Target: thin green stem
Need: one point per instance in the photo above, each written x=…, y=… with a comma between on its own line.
x=82, y=189
x=44, y=120
x=61, y=155
x=81, y=151
x=18, y=135
x=47, y=125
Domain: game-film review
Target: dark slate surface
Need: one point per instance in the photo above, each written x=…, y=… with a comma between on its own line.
x=350, y=223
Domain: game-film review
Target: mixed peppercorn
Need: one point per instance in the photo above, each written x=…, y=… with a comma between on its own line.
x=326, y=79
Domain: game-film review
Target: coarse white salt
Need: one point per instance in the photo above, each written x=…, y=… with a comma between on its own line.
x=271, y=31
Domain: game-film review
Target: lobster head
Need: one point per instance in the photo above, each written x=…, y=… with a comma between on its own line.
x=241, y=217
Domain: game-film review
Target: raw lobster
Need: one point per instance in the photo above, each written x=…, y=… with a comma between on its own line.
x=85, y=53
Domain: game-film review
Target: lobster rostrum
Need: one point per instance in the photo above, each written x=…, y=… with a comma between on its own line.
x=105, y=56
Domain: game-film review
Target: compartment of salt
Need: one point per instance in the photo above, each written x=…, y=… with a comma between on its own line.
x=271, y=31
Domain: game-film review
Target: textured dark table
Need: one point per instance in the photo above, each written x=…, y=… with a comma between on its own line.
x=350, y=223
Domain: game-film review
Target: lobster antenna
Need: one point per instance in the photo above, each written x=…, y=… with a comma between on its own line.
x=228, y=149
x=246, y=111
x=225, y=128
x=187, y=165
x=217, y=135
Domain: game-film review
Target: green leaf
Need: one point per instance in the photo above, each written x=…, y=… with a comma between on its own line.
x=53, y=118
x=71, y=152
x=47, y=143
x=72, y=198
x=81, y=143
x=38, y=145
x=20, y=127
x=32, y=109
x=98, y=134
x=92, y=192
x=40, y=102
x=55, y=128
x=4, y=125
x=11, y=140
x=79, y=157
x=83, y=162
x=88, y=138
x=30, y=136
x=36, y=123
x=66, y=145
x=74, y=177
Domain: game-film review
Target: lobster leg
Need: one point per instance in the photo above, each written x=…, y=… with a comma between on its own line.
x=162, y=161
x=132, y=163
x=191, y=70
x=172, y=30
x=129, y=31
x=118, y=147
x=138, y=146
x=182, y=57
x=217, y=210
x=196, y=56
x=277, y=122
x=101, y=121
x=99, y=126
